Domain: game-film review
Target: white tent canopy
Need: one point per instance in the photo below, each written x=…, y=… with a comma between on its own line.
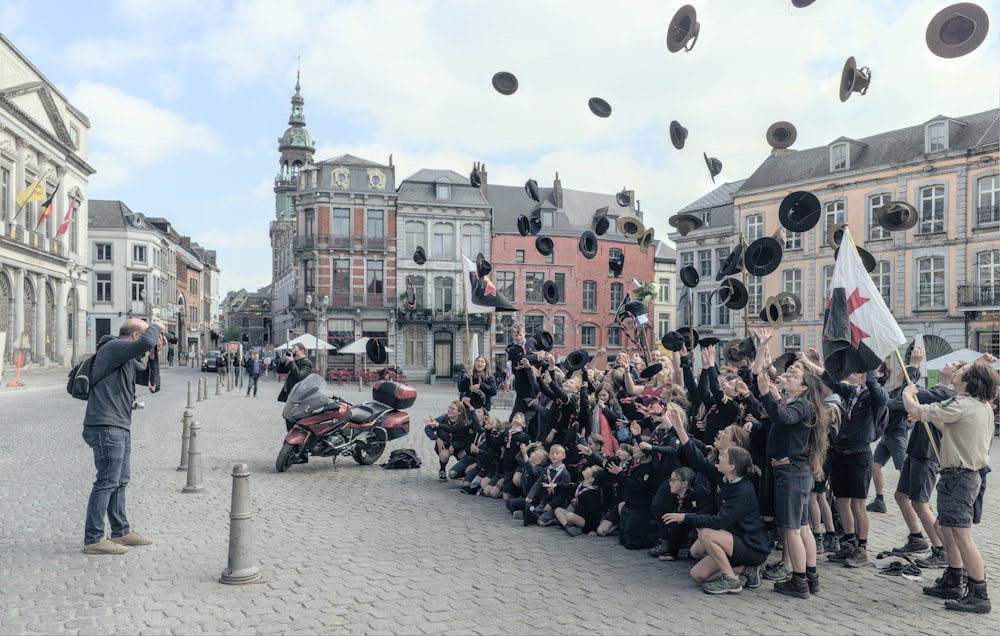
x=358, y=347
x=962, y=354
x=309, y=341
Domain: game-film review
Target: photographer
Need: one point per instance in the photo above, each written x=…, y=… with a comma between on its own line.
x=297, y=367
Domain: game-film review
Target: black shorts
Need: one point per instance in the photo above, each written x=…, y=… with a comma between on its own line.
x=957, y=494
x=509, y=488
x=917, y=478
x=743, y=555
x=791, y=496
x=850, y=473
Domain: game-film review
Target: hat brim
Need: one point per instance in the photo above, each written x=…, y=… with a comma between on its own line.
x=763, y=256
x=588, y=244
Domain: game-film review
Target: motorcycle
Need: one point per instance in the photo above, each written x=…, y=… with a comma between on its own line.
x=332, y=427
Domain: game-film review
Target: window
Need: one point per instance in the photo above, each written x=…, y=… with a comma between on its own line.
x=342, y=224
x=988, y=212
x=988, y=273
x=375, y=227
x=791, y=342
x=793, y=240
x=587, y=333
x=882, y=277
x=663, y=320
x=791, y=281
x=589, y=295
x=664, y=285
x=442, y=191
x=838, y=157
x=833, y=213
x=413, y=345
x=550, y=259
x=103, y=287
x=559, y=330
x=502, y=328
x=687, y=258
x=755, y=227
x=724, y=315
x=103, y=252
x=533, y=324
x=74, y=135
x=4, y=193
x=547, y=217
x=192, y=315
x=413, y=236
x=519, y=256
x=931, y=210
x=705, y=262
x=704, y=308
x=720, y=256
x=341, y=278
x=614, y=336
x=246, y=322
x=827, y=280
x=560, y=280
x=444, y=240
x=472, y=240
x=505, y=284
x=617, y=294
x=193, y=285
x=937, y=136
x=309, y=223
x=138, y=253
x=533, y=282
x=376, y=276
x=755, y=293
x=418, y=293
x=930, y=282
x=443, y=290
x=875, y=231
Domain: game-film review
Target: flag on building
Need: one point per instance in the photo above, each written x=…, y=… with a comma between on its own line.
x=858, y=329
x=34, y=192
x=481, y=295
x=47, y=207
x=69, y=212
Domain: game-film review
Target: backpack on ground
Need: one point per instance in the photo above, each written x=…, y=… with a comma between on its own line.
x=79, y=382
x=402, y=458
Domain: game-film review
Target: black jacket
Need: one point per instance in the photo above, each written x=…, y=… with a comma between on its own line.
x=297, y=371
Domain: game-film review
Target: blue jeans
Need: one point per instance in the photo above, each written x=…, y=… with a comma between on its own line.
x=112, y=448
x=252, y=383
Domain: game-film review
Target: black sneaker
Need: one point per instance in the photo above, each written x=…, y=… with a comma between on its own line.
x=443, y=475
x=877, y=505
x=751, y=577
x=914, y=545
x=793, y=586
x=812, y=578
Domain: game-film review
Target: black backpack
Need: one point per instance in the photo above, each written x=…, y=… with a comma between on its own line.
x=79, y=382
x=402, y=458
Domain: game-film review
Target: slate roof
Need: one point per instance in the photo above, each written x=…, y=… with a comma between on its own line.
x=351, y=160
x=108, y=214
x=720, y=196
x=575, y=216
x=881, y=150
x=420, y=188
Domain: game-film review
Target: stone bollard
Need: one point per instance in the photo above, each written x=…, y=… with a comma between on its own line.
x=190, y=404
x=194, y=461
x=199, y=390
x=218, y=386
x=240, y=568
x=186, y=435
x=206, y=389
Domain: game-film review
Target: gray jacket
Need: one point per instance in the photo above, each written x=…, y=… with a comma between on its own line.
x=114, y=370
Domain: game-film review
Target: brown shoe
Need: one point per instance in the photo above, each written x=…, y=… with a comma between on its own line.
x=104, y=546
x=132, y=538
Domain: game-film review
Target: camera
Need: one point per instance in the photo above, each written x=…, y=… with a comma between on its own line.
x=171, y=337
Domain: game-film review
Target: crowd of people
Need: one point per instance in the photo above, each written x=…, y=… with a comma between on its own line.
x=733, y=466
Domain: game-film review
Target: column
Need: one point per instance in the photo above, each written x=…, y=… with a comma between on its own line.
x=22, y=149
x=17, y=283
x=62, y=307
x=38, y=343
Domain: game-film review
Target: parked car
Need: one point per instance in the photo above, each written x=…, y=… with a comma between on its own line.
x=211, y=361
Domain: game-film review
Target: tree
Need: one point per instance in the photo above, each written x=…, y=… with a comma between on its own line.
x=231, y=333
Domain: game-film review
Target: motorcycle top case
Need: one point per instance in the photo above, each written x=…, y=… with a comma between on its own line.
x=394, y=394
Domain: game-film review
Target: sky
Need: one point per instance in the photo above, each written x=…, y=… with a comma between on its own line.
x=187, y=98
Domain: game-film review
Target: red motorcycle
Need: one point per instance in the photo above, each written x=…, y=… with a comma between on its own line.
x=331, y=427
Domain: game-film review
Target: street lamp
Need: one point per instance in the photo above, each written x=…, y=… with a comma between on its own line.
x=320, y=311
x=75, y=275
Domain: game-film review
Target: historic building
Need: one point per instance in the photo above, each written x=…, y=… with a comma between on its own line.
x=44, y=265
x=250, y=314
x=664, y=274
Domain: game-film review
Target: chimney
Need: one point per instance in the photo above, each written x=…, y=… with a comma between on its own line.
x=186, y=242
x=557, y=192
x=480, y=169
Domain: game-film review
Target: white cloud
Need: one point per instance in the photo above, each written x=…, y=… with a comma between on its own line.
x=112, y=54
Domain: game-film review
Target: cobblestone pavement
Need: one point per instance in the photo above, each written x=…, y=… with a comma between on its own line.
x=359, y=549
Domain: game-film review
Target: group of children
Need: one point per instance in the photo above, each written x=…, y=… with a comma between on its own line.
x=725, y=466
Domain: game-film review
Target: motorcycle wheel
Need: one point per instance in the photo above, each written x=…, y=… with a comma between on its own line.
x=289, y=453
x=366, y=454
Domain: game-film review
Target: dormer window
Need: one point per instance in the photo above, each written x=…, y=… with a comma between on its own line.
x=936, y=135
x=839, y=157
x=442, y=191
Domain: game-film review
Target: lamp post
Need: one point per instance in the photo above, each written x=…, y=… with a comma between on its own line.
x=75, y=275
x=319, y=311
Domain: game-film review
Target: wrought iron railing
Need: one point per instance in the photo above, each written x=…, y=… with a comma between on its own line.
x=979, y=295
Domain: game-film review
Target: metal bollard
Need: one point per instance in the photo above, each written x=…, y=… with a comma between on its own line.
x=189, y=403
x=185, y=437
x=194, y=461
x=240, y=568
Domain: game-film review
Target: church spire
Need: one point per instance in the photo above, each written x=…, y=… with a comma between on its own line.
x=298, y=116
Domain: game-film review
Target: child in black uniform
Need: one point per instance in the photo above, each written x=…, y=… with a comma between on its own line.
x=583, y=513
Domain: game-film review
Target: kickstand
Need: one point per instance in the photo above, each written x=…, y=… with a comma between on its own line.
x=334, y=463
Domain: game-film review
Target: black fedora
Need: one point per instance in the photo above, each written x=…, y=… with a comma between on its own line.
x=599, y=107
x=588, y=244
x=763, y=256
x=624, y=198
x=616, y=263
x=896, y=216
x=733, y=264
x=531, y=189
x=714, y=166
x=474, y=179
x=535, y=221
x=544, y=245
x=650, y=370
x=854, y=79
x=419, y=255
x=709, y=342
x=477, y=399
x=957, y=30
x=866, y=258
x=576, y=360
x=672, y=341
x=684, y=223
x=781, y=135
x=630, y=227
x=505, y=83
x=689, y=276
x=601, y=223
x=550, y=292
x=682, y=33
x=678, y=134
x=483, y=266
x=646, y=240
x=689, y=334
x=733, y=294
x=799, y=211
x=523, y=225
x=802, y=3
x=543, y=340
x=376, y=351
x=782, y=362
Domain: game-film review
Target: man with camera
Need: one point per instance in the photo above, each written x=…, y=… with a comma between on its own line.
x=107, y=430
x=297, y=367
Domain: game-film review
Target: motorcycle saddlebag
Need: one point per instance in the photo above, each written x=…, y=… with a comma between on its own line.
x=396, y=425
x=394, y=394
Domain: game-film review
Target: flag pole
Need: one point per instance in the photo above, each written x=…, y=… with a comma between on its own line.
x=465, y=301
x=927, y=427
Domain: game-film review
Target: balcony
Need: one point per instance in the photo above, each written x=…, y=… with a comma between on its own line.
x=988, y=215
x=338, y=242
x=304, y=243
x=374, y=242
x=979, y=296
x=375, y=300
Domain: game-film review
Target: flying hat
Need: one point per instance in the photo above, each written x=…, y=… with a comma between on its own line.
x=672, y=341
x=550, y=292
x=678, y=134
x=782, y=362
x=645, y=240
x=505, y=83
x=599, y=107
x=544, y=245
x=689, y=276
x=624, y=198
x=531, y=189
x=601, y=223
x=782, y=308
x=630, y=227
x=474, y=179
x=708, y=342
x=650, y=370
x=802, y=3
x=477, y=399
x=781, y=135
x=763, y=256
x=957, y=30
x=483, y=266
x=896, y=216
x=523, y=225
x=588, y=244
x=835, y=234
x=689, y=334
x=733, y=264
x=747, y=348
x=866, y=258
x=714, y=166
x=576, y=360
x=616, y=263
x=535, y=222
x=799, y=211
x=733, y=294
x=543, y=340
x=684, y=223
x=419, y=256
x=731, y=352
x=376, y=351
x=683, y=30
x=854, y=79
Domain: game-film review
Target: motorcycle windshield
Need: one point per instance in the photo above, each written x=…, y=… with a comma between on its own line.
x=307, y=396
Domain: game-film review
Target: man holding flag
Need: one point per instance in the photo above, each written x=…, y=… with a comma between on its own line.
x=859, y=332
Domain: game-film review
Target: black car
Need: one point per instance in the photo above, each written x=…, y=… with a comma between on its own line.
x=211, y=361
